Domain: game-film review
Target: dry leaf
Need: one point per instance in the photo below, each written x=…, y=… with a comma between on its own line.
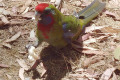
x=91, y=40
x=25, y=8
x=85, y=3
x=111, y=14
x=58, y=3
x=28, y=2
x=9, y=77
x=6, y=12
x=64, y=10
x=6, y=45
x=0, y=0
x=114, y=15
x=43, y=72
x=14, y=9
x=84, y=37
x=43, y=69
x=92, y=60
x=1, y=10
x=52, y=1
x=4, y=19
x=114, y=76
x=2, y=24
x=32, y=34
x=77, y=75
x=93, y=28
x=22, y=64
x=116, y=53
x=13, y=38
x=29, y=15
x=114, y=4
x=21, y=74
x=4, y=66
x=107, y=74
x=93, y=52
x=110, y=30
x=18, y=21
x=77, y=3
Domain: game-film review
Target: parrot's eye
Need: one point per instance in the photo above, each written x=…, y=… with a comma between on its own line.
x=47, y=11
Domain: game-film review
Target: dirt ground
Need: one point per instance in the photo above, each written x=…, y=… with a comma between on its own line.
x=64, y=64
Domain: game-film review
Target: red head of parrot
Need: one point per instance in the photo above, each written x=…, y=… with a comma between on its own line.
x=45, y=18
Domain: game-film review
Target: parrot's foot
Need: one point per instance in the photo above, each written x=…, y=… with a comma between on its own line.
x=37, y=62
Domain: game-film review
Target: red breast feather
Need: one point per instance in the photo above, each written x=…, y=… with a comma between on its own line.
x=45, y=26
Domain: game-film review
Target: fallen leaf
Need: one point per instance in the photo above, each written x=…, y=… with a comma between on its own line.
x=107, y=74
x=91, y=40
x=32, y=34
x=92, y=60
x=84, y=37
x=2, y=24
x=2, y=4
x=23, y=52
x=85, y=3
x=114, y=4
x=113, y=15
x=25, y=8
x=29, y=14
x=43, y=70
x=58, y=4
x=0, y=0
x=28, y=2
x=1, y=10
x=116, y=53
x=93, y=52
x=22, y=64
x=77, y=75
x=110, y=30
x=6, y=12
x=18, y=22
x=77, y=46
x=21, y=74
x=114, y=76
x=52, y=1
x=14, y=10
x=4, y=66
x=77, y=3
x=13, y=38
x=9, y=77
x=6, y=45
x=64, y=10
x=93, y=28
x=4, y=19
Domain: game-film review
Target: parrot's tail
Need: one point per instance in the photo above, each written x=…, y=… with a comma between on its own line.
x=91, y=11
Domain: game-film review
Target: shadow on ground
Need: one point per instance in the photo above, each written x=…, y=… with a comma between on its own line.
x=57, y=62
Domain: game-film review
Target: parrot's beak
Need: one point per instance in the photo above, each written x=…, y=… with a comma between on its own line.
x=37, y=16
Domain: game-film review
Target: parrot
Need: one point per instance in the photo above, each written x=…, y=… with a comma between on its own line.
x=60, y=30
